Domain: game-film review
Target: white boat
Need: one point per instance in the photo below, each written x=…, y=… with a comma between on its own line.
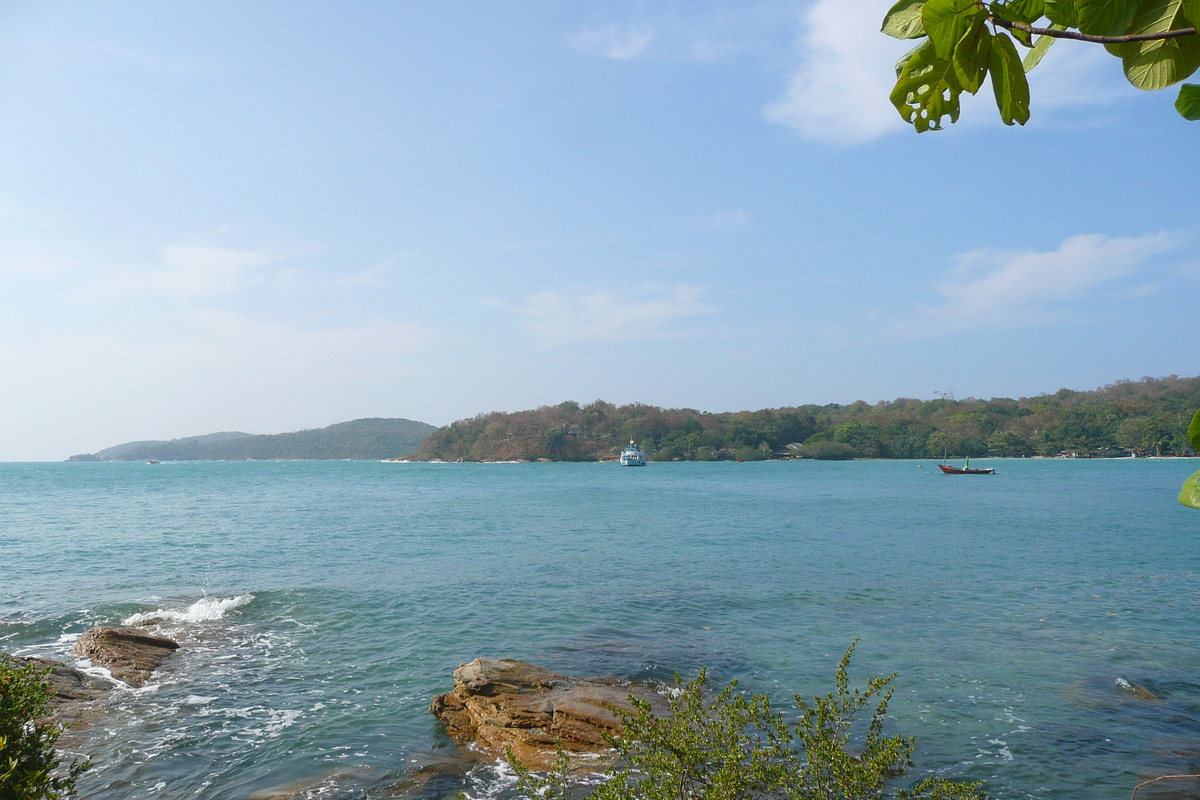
x=633, y=456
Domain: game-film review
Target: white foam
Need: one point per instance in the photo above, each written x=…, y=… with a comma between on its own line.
x=206, y=609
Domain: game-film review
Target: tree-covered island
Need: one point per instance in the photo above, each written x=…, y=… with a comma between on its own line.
x=1145, y=418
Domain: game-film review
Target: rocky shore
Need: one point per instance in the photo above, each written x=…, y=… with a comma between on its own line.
x=496, y=705
x=129, y=654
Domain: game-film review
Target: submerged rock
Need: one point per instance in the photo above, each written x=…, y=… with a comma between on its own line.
x=502, y=703
x=129, y=654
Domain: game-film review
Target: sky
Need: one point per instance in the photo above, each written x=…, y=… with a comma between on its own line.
x=272, y=216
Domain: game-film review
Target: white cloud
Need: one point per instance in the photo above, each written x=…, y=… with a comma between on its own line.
x=612, y=41
x=839, y=92
x=995, y=288
x=576, y=317
x=724, y=222
x=699, y=32
x=97, y=53
x=28, y=257
x=186, y=272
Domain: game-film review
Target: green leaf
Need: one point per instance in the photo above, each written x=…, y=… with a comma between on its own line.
x=927, y=90
x=1028, y=11
x=904, y=59
x=1189, y=495
x=1008, y=81
x=1043, y=44
x=1194, y=428
x=903, y=21
x=1105, y=17
x=1188, y=106
x=1063, y=12
x=971, y=56
x=1159, y=63
x=1039, y=49
x=947, y=21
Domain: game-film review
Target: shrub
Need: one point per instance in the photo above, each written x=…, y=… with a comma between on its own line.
x=29, y=765
x=733, y=747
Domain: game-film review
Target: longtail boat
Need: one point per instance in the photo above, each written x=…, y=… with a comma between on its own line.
x=965, y=469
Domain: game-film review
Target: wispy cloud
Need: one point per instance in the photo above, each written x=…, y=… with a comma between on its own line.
x=996, y=288
x=28, y=257
x=723, y=222
x=98, y=53
x=612, y=41
x=188, y=272
x=696, y=33
x=604, y=315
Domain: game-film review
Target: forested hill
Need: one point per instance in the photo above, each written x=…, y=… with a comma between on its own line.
x=1146, y=417
x=373, y=438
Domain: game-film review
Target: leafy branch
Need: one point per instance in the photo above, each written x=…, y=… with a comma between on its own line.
x=1083, y=37
x=733, y=747
x=965, y=41
x=30, y=766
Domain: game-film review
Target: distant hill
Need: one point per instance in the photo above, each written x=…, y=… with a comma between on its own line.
x=367, y=439
x=1147, y=418
x=116, y=451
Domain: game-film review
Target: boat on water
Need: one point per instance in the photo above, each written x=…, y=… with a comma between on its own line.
x=965, y=469
x=633, y=456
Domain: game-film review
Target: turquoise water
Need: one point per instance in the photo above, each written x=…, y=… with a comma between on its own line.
x=324, y=604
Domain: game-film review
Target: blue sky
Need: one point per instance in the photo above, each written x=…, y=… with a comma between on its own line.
x=272, y=216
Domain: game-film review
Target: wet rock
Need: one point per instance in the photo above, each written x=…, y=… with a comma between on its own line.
x=328, y=781
x=74, y=691
x=502, y=703
x=129, y=654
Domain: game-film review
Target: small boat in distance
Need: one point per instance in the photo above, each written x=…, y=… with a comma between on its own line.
x=633, y=456
x=965, y=469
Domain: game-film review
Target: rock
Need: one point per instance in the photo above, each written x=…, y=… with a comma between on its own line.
x=505, y=703
x=329, y=780
x=129, y=654
x=73, y=690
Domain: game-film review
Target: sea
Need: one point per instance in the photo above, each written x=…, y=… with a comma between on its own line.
x=1043, y=623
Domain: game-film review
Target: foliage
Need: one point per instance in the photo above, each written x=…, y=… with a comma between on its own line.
x=373, y=438
x=826, y=451
x=733, y=747
x=964, y=41
x=1146, y=417
x=1190, y=494
x=28, y=761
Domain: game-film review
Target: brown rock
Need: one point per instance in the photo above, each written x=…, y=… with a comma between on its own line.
x=129, y=654
x=505, y=703
x=74, y=691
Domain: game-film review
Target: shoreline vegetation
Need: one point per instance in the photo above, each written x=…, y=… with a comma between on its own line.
x=1149, y=417
x=1145, y=418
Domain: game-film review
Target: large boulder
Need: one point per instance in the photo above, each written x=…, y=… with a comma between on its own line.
x=129, y=654
x=502, y=703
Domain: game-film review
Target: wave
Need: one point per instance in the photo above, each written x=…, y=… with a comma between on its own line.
x=206, y=609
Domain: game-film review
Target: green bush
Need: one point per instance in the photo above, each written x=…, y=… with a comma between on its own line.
x=733, y=747
x=29, y=765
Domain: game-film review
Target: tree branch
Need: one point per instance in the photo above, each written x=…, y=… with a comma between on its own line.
x=1085, y=37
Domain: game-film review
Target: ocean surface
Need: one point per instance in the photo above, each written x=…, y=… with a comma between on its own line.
x=1043, y=622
